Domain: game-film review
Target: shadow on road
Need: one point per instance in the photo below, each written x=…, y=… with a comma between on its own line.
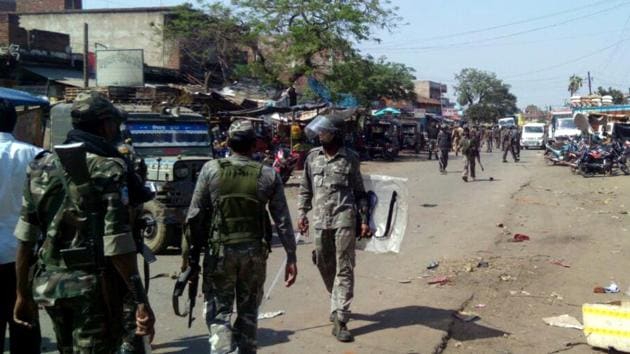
x=268, y=337
x=439, y=319
x=193, y=344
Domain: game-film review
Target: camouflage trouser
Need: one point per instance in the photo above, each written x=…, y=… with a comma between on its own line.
x=81, y=326
x=239, y=274
x=131, y=343
x=335, y=258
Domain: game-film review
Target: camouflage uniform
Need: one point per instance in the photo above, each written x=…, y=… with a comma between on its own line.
x=84, y=320
x=239, y=270
x=131, y=342
x=73, y=297
x=333, y=188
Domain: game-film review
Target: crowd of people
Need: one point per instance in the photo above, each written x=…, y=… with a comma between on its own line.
x=74, y=251
x=469, y=141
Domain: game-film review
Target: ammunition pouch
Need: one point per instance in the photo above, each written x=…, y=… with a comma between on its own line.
x=78, y=258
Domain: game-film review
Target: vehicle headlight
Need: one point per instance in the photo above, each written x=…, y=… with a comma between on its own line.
x=181, y=172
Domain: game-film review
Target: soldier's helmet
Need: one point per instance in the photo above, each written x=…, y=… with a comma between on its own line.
x=323, y=123
x=242, y=130
x=93, y=106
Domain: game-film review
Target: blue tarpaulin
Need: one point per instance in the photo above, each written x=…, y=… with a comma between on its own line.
x=21, y=98
x=387, y=110
x=345, y=100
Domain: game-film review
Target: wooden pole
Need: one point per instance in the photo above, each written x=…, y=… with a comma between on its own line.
x=86, y=77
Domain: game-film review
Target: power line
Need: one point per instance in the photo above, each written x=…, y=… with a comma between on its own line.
x=590, y=54
x=472, y=46
x=514, y=34
x=614, y=51
x=533, y=19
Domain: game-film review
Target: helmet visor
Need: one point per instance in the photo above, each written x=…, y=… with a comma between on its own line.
x=321, y=124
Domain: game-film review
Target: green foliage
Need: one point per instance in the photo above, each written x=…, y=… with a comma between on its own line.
x=210, y=37
x=368, y=80
x=301, y=36
x=617, y=95
x=575, y=83
x=485, y=97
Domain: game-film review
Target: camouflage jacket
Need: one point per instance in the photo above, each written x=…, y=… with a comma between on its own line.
x=270, y=192
x=47, y=213
x=333, y=188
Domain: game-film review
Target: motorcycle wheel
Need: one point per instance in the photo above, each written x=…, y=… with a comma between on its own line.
x=624, y=169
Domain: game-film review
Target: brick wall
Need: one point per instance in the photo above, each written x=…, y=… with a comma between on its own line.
x=10, y=31
x=47, y=5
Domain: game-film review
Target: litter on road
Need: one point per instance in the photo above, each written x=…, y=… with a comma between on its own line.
x=563, y=321
x=441, y=280
x=560, y=263
x=268, y=315
x=466, y=316
x=433, y=265
x=520, y=238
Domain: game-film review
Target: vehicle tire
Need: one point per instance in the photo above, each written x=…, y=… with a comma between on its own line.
x=155, y=233
x=624, y=169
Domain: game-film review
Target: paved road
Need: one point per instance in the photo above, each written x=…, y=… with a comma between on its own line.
x=454, y=223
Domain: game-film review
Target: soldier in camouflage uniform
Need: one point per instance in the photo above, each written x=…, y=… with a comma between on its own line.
x=132, y=344
x=83, y=299
x=228, y=216
x=332, y=186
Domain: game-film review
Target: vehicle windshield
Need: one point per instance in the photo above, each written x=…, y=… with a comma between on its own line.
x=534, y=129
x=170, y=139
x=566, y=123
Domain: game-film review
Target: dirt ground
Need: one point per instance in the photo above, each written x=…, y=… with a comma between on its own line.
x=579, y=238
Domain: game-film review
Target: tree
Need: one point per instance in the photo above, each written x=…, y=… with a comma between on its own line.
x=617, y=95
x=483, y=95
x=575, y=83
x=534, y=113
x=369, y=79
x=299, y=38
x=211, y=38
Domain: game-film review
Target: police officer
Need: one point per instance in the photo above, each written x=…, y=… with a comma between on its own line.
x=444, y=145
x=333, y=188
x=432, y=133
x=228, y=216
x=510, y=139
x=82, y=296
x=470, y=146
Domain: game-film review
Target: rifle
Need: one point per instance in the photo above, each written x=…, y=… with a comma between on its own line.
x=189, y=277
x=88, y=252
x=73, y=160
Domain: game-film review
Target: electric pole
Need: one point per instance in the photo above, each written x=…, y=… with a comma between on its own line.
x=590, y=91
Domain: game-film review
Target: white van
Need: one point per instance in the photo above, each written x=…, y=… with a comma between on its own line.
x=533, y=136
x=507, y=122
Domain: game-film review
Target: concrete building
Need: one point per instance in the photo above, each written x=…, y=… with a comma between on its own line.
x=134, y=28
x=430, y=94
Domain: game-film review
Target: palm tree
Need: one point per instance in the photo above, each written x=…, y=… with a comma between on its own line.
x=575, y=82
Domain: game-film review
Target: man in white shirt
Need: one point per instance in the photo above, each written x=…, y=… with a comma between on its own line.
x=14, y=158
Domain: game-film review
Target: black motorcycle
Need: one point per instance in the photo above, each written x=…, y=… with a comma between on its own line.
x=603, y=159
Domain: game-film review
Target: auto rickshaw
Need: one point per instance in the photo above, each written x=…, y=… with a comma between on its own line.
x=382, y=138
x=410, y=136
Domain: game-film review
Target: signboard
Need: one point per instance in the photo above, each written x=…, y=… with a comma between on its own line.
x=121, y=67
x=419, y=113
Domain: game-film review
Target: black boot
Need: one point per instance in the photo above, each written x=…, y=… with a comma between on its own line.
x=341, y=331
